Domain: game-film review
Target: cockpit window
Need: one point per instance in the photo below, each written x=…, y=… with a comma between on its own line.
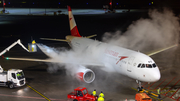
x=148, y=65
x=143, y=66
x=154, y=65
x=139, y=65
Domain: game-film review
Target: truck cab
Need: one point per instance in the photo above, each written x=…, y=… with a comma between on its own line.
x=81, y=94
x=12, y=78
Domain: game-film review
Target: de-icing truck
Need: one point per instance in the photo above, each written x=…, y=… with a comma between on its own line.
x=12, y=78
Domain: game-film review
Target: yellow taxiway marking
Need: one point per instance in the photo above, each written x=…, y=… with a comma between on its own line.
x=38, y=92
x=153, y=95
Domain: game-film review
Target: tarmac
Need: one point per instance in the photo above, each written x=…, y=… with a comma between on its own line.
x=43, y=83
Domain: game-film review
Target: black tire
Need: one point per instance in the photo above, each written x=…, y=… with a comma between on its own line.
x=139, y=89
x=75, y=100
x=11, y=85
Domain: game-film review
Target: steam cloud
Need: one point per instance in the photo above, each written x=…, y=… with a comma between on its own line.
x=161, y=29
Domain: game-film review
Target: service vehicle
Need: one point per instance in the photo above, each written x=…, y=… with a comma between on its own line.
x=81, y=94
x=12, y=78
x=142, y=97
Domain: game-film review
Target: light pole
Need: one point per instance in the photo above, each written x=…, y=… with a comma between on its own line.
x=110, y=5
x=30, y=8
x=4, y=6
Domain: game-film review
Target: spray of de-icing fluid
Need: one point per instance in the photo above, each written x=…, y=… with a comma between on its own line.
x=160, y=30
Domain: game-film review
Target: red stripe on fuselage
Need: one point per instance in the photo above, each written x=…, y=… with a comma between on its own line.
x=121, y=58
x=74, y=32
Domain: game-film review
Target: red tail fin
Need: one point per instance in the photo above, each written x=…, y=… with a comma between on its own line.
x=73, y=27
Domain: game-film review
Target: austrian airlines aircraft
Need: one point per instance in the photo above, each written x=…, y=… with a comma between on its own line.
x=133, y=64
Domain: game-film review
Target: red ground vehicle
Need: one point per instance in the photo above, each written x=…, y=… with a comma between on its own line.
x=81, y=94
x=142, y=97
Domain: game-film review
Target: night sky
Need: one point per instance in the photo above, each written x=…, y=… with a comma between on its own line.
x=92, y=3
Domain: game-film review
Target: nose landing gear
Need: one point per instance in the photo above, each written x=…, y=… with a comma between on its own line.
x=140, y=88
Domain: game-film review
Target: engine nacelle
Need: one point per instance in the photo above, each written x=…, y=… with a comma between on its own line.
x=85, y=75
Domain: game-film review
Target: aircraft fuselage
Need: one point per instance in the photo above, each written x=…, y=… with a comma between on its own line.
x=127, y=62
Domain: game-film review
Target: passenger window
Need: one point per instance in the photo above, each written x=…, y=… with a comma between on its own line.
x=143, y=66
x=13, y=75
x=154, y=65
x=139, y=65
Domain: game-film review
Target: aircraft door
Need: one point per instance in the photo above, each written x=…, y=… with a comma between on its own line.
x=129, y=64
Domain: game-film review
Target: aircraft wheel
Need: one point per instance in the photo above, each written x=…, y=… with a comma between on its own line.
x=140, y=89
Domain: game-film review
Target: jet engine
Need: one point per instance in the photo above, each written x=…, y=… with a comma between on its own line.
x=84, y=74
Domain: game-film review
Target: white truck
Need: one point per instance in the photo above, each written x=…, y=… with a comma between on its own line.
x=12, y=78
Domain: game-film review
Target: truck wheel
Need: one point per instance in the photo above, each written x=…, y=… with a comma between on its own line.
x=11, y=85
x=75, y=100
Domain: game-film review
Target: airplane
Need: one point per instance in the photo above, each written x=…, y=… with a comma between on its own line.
x=111, y=58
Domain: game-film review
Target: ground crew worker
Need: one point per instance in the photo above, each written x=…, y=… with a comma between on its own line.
x=94, y=92
x=100, y=98
x=159, y=92
x=101, y=94
x=18, y=74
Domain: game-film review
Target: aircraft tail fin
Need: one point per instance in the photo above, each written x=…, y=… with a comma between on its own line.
x=72, y=23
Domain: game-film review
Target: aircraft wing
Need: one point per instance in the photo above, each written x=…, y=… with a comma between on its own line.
x=161, y=50
x=54, y=39
x=90, y=63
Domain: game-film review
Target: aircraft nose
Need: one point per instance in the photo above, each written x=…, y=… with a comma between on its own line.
x=156, y=75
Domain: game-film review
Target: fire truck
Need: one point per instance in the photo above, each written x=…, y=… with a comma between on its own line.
x=81, y=94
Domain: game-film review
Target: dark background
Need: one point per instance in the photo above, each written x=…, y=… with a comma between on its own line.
x=92, y=3
x=27, y=28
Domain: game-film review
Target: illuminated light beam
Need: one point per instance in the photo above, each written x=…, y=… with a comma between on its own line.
x=162, y=50
x=39, y=60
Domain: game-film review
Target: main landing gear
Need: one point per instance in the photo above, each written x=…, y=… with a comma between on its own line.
x=140, y=88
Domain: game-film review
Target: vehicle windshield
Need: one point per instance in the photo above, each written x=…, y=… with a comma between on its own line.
x=84, y=91
x=20, y=75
